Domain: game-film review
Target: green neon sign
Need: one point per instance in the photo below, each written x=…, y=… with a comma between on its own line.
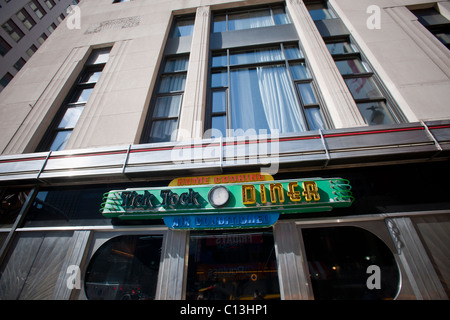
x=283, y=197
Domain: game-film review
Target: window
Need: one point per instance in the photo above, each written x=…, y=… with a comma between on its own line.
x=19, y=64
x=6, y=79
x=268, y=88
x=11, y=202
x=31, y=50
x=338, y=259
x=320, y=11
x=4, y=47
x=51, y=28
x=168, y=98
x=13, y=30
x=249, y=19
x=64, y=123
x=182, y=27
x=232, y=266
x=124, y=268
x=360, y=79
x=42, y=38
x=50, y=3
x=436, y=23
x=26, y=19
x=37, y=8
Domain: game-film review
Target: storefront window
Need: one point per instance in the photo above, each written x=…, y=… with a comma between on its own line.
x=11, y=202
x=232, y=266
x=124, y=268
x=338, y=261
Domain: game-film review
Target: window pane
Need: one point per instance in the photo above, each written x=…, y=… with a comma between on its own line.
x=256, y=55
x=61, y=139
x=353, y=66
x=232, y=266
x=314, y=118
x=167, y=106
x=339, y=48
x=292, y=52
x=124, y=268
x=250, y=20
x=375, y=113
x=67, y=206
x=183, y=28
x=263, y=98
x=443, y=37
x=70, y=118
x=219, y=60
x=300, y=71
x=220, y=23
x=338, y=259
x=319, y=12
x=429, y=17
x=280, y=16
x=176, y=64
x=219, y=123
x=91, y=76
x=99, y=56
x=163, y=131
x=172, y=83
x=307, y=93
x=219, y=101
x=363, y=88
x=219, y=79
x=81, y=95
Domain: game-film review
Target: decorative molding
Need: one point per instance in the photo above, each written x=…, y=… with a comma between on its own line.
x=122, y=23
x=395, y=235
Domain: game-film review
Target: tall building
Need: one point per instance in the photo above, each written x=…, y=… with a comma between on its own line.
x=25, y=27
x=214, y=149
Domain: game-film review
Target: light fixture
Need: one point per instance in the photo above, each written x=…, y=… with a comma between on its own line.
x=219, y=196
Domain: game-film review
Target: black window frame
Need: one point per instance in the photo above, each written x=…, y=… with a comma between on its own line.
x=53, y=130
x=368, y=74
x=156, y=95
x=210, y=113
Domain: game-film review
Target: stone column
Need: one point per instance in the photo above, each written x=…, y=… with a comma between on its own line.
x=338, y=99
x=192, y=116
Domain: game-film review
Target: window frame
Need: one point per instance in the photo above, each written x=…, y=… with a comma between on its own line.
x=285, y=61
x=146, y=138
x=368, y=73
x=54, y=129
x=233, y=11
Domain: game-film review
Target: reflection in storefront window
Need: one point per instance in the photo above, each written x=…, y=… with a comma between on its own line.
x=232, y=266
x=124, y=268
x=338, y=259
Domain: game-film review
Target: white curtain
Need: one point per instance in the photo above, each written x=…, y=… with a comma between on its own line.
x=263, y=98
x=278, y=99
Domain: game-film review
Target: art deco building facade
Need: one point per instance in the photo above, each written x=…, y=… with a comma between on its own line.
x=230, y=150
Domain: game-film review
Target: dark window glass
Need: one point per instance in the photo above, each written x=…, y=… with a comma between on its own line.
x=12, y=201
x=338, y=259
x=67, y=207
x=124, y=268
x=4, y=47
x=232, y=266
